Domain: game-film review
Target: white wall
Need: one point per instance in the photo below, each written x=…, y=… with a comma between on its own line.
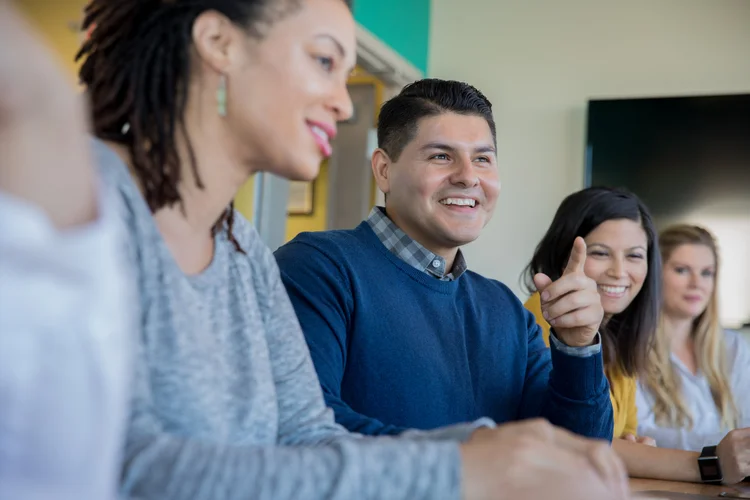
x=539, y=61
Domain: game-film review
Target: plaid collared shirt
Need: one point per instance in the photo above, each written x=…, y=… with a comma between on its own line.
x=411, y=252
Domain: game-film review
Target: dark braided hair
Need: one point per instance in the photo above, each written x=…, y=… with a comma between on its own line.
x=136, y=68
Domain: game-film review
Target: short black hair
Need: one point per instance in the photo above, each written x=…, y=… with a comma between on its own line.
x=400, y=116
x=627, y=336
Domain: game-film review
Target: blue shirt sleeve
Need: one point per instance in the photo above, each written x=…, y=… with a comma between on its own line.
x=567, y=389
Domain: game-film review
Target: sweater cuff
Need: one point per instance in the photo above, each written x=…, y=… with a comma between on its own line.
x=576, y=377
x=458, y=432
x=580, y=352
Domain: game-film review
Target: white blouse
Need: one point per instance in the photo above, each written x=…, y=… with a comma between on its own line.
x=707, y=429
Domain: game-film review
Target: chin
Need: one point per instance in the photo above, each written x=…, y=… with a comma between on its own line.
x=301, y=169
x=694, y=312
x=615, y=306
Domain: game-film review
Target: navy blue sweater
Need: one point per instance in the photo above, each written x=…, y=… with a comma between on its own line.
x=395, y=348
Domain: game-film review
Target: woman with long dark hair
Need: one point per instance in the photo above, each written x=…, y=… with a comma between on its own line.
x=623, y=258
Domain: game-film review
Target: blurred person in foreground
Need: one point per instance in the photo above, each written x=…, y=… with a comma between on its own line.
x=63, y=295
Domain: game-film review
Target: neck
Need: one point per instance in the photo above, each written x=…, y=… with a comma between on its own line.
x=447, y=253
x=678, y=330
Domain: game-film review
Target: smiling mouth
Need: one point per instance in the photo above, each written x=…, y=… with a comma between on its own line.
x=322, y=138
x=460, y=202
x=613, y=291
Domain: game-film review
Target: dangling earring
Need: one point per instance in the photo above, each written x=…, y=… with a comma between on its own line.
x=221, y=96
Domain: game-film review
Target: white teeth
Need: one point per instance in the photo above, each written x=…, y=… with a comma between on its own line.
x=464, y=202
x=319, y=132
x=615, y=290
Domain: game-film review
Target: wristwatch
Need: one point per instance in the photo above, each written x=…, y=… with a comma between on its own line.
x=709, y=466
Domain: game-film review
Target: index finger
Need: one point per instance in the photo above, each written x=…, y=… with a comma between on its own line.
x=577, y=259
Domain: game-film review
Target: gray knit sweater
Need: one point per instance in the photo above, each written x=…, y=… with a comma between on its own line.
x=227, y=404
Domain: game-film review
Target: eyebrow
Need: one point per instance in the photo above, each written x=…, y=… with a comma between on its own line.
x=485, y=148
x=338, y=45
x=637, y=247
x=682, y=264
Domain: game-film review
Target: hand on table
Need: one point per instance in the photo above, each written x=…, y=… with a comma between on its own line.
x=639, y=439
x=533, y=459
x=571, y=304
x=734, y=455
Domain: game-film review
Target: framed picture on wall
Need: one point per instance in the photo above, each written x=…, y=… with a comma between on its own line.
x=301, y=198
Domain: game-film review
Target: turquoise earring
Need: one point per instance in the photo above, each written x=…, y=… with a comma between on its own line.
x=221, y=96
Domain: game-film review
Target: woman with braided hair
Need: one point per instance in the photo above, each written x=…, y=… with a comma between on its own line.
x=189, y=99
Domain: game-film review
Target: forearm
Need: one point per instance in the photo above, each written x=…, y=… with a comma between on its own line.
x=578, y=397
x=649, y=462
x=172, y=469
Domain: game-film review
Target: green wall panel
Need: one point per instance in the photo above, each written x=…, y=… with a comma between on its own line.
x=402, y=24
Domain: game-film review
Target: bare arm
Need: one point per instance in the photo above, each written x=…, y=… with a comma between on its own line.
x=648, y=462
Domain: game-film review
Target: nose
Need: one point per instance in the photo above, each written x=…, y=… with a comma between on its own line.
x=341, y=103
x=617, y=269
x=464, y=174
x=695, y=280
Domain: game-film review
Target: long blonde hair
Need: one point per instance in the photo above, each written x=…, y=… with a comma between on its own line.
x=661, y=378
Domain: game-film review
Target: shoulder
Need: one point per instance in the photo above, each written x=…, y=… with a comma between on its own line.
x=257, y=253
x=500, y=296
x=497, y=287
x=738, y=346
x=337, y=246
x=112, y=170
x=622, y=385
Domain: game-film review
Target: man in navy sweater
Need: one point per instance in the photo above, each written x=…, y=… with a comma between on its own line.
x=402, y=334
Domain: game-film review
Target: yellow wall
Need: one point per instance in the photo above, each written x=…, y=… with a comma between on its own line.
x=243, y=202
x=296, y=224
x=58, y=22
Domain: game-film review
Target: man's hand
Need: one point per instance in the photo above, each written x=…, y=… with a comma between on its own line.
x=734, y=455
x=533, y=459
x=44, y=150
x=572, y=305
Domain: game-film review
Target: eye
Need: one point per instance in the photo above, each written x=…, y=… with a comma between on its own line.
x=707, y=274
x=439, y=156
x=325, y=62
x=637, y=256
x=681, y=270
x=598, y=253
x=483, y=159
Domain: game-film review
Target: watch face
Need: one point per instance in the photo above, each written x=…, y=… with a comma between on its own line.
x=710, y=470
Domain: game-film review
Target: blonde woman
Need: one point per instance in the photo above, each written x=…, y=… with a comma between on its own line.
x=697, y=383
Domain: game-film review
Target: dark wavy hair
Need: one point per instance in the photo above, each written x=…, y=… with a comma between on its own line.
x=627, y=336
x=136, y=65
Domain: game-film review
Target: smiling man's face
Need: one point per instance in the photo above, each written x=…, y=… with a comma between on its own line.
x=443, y=188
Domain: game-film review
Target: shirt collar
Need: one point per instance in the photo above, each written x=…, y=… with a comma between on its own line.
x=405, y=248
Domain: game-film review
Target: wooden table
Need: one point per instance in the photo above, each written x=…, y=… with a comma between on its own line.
x=699, y=490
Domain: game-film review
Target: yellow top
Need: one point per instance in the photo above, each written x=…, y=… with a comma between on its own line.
x=621, y=387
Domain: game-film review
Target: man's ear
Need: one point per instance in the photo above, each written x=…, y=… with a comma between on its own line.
x=381, y=165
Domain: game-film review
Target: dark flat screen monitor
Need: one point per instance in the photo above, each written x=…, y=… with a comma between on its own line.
x=688, y=159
